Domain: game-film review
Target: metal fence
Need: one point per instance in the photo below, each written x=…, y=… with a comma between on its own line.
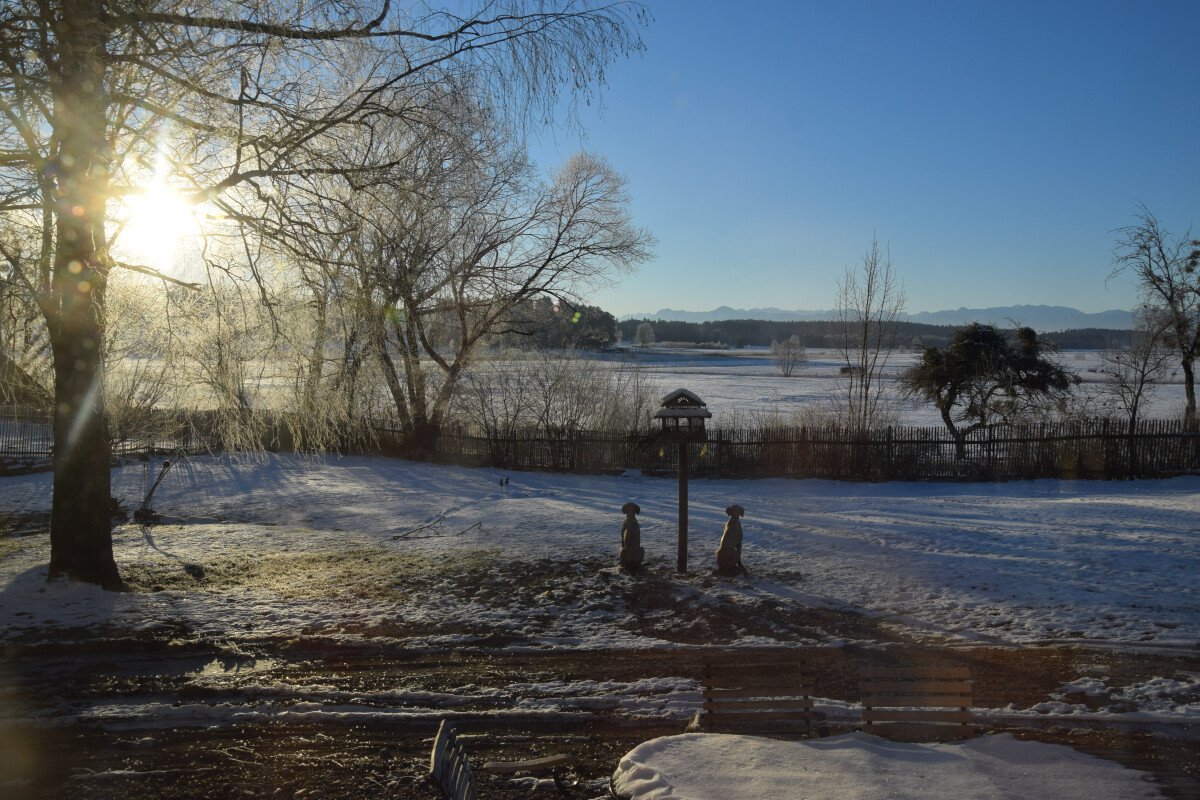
x=27, y=437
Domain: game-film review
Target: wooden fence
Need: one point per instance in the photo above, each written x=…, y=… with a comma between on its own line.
x=1091, y=450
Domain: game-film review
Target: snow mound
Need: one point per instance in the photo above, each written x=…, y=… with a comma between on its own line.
x=858, y=766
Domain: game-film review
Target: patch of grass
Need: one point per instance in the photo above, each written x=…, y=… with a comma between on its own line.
x=361, y=573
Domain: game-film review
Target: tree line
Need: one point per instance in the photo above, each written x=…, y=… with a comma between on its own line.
x=825, y=334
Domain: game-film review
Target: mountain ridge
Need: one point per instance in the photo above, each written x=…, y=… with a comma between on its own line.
x=1041, y=318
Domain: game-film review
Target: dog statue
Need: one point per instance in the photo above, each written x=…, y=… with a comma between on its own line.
x=632, y=553
x=729, y=553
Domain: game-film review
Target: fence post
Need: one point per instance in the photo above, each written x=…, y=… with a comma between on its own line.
x=720, y=454
x=991, y=460
x=887, y=461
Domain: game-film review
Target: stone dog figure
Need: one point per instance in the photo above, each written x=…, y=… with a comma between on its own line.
x=632, y=553
x=729, y=554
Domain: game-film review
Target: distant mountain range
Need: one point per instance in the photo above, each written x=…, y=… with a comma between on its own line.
x=1040, y=318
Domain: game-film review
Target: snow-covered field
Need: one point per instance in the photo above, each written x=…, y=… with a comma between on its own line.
x=738, y=382
x=284, y=553
x=426, y=555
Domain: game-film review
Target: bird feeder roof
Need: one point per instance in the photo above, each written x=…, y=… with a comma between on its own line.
x=682, y=404
x=682, y=398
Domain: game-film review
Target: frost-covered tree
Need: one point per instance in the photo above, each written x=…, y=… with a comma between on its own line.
x=788, y=354
x=441, y=271
x=235, y=102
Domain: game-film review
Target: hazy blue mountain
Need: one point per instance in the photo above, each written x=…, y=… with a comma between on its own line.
x=1040, y=318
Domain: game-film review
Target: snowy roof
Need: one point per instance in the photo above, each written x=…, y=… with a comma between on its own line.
x=682, y=397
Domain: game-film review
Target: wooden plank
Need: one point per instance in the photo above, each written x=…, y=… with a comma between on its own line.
x=914, y=700
x=929, y=715
x=759, y=682
x=530, y=765
x=764, y=715
x=758, y=691
x=743, y=659
x=916, y=687
x=739, y=667
x=757, y=678
x=761, y=702
x=784, y=728
x=437, y=756
x=915, y=673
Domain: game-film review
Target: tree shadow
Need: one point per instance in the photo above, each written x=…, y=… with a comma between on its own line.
x=34, y=608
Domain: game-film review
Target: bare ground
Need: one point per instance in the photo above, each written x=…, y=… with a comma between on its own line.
x=294, y=757
x=336, y=759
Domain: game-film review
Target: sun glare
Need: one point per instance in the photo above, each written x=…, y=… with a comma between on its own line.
x=159, y=227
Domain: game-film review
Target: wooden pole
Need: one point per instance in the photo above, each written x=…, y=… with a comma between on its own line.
x=681, y=563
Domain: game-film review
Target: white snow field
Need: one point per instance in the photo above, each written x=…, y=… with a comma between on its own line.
x=862, y=767
x=374, y=551
x=354, y=547
x=737, y=382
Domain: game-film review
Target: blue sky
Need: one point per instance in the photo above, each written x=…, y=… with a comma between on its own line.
x=995, y=146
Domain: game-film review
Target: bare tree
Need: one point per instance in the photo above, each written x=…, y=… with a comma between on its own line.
x=645, y=335
x=236, y=100
x=788, y=354
x=554, y=393
x=1133, y=369
x=26, y=371
x=1167, y=270
x=444, y=269
x=494, y=399
x=140, y=362
x=870, y=301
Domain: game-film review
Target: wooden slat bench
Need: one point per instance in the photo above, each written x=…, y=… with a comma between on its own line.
x=918, y=703
x=450, y=771
x=756, y=693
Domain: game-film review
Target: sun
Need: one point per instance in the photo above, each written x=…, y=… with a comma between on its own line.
x=159, y=227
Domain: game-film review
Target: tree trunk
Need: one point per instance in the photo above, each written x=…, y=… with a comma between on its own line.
x=1189, y=387
x=960, y=440
x=81, y=513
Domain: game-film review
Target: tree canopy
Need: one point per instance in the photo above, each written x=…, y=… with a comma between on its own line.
x=985, y=377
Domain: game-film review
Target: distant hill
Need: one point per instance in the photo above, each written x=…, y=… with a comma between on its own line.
x=1040, y=318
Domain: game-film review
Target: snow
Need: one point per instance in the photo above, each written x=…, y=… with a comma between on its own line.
x=857, y=766
x=741, y=382
x=362, y=551
x=360, y=547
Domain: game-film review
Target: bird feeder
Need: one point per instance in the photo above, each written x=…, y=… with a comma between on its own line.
x=682, y=417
